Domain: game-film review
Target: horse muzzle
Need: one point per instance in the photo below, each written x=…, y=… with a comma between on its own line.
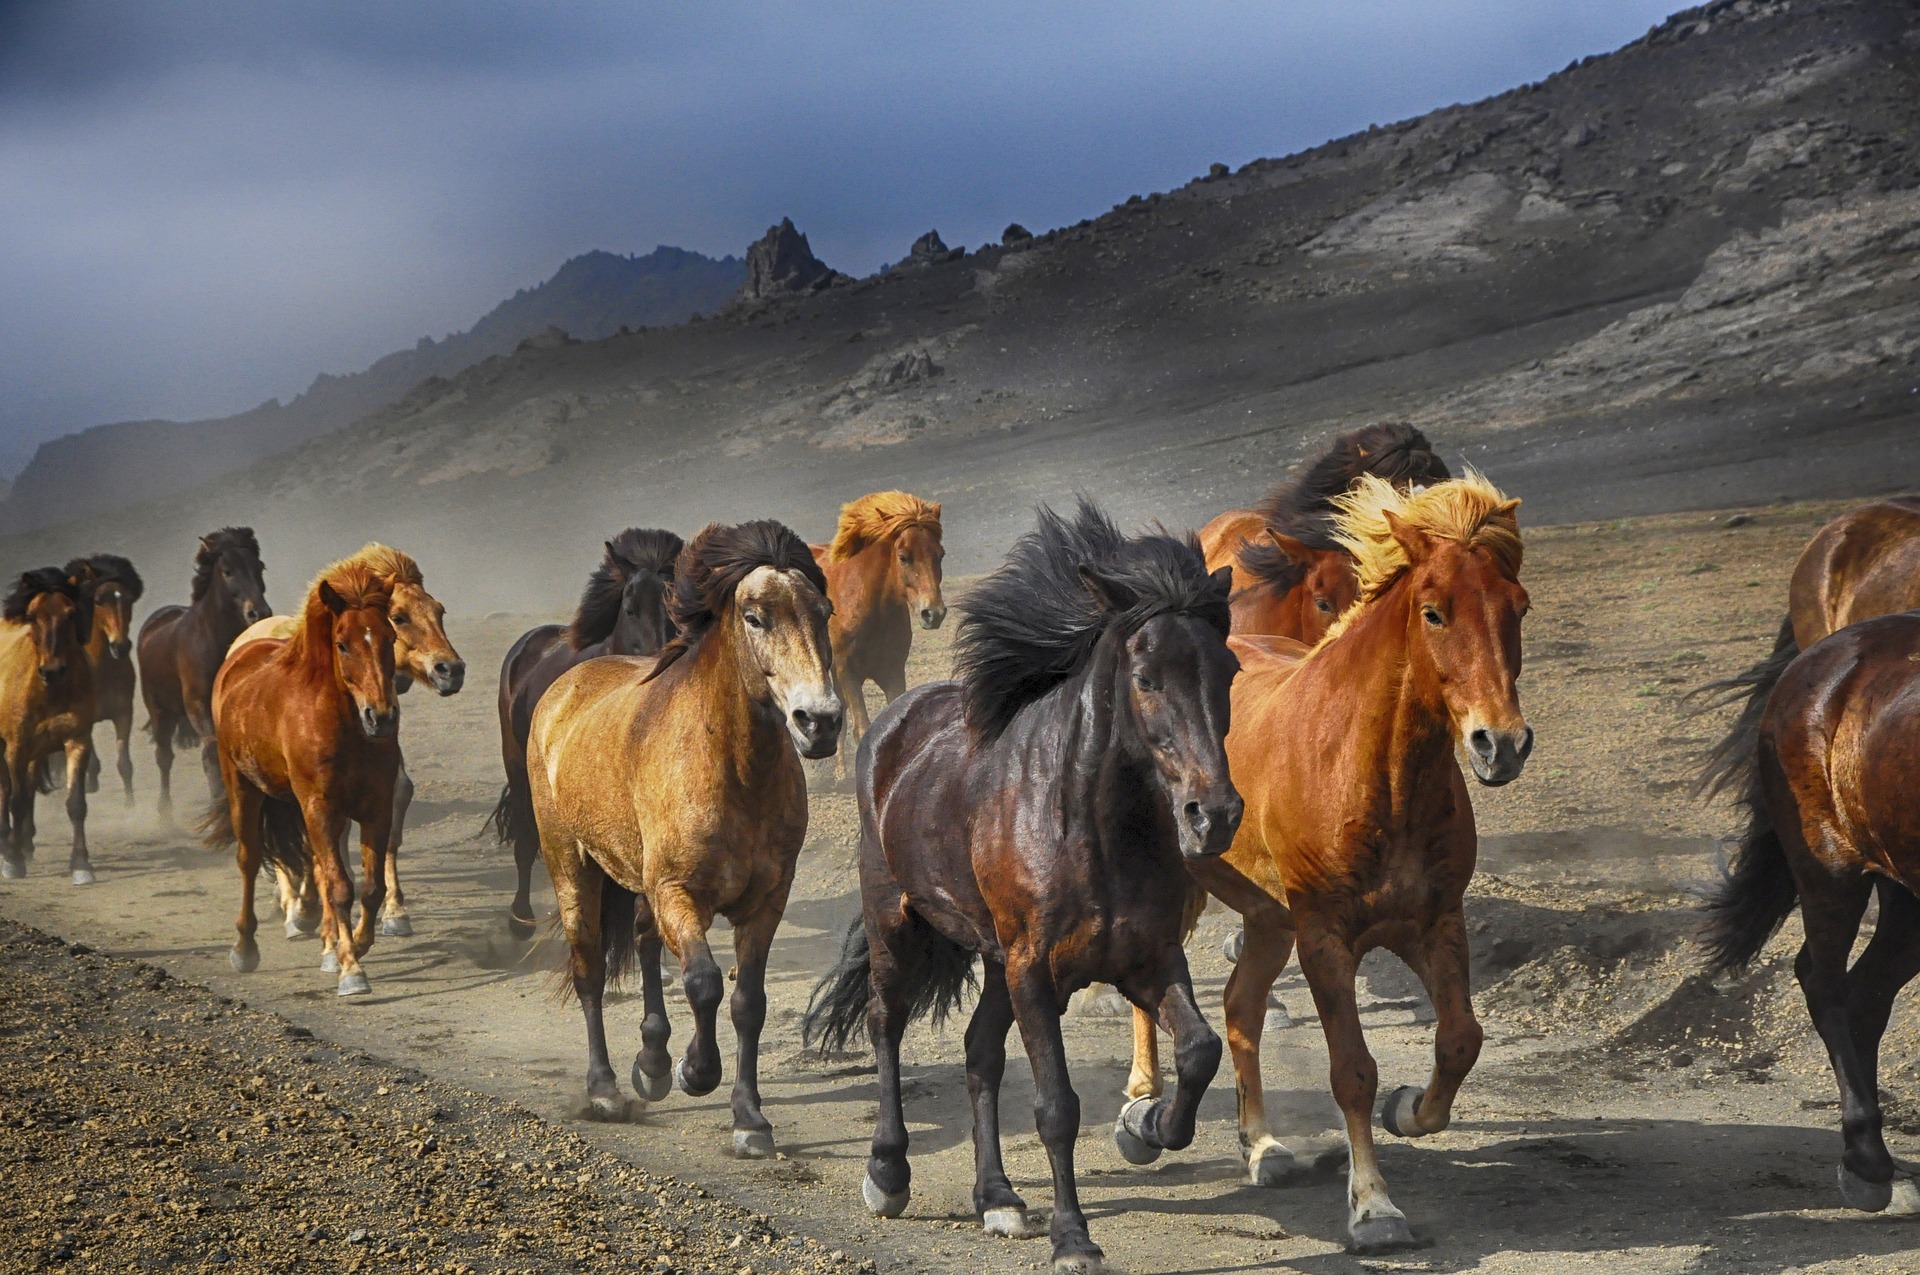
x=449, y=676
x=378, y=723
x=1498, y=756
x=52, y=674
x=121, y=649
x=816, y=729
x=1207, y=823
x=932, y=617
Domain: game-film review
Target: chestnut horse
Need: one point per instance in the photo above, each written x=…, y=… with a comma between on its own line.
x=1863, y=564
x=1359, y=832
x=666, y=790
x=422, y=652
x=1106, y=657
x=883, y=575
x=1831, y=823
x=181, y=647
x=46, y=707
x=114, y=586
x=306, y=735
x=622, y=612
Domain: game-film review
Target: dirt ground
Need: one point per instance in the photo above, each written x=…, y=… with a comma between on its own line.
x=1625, y=1116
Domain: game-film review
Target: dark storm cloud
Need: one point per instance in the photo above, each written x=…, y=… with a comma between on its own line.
x=204, y=204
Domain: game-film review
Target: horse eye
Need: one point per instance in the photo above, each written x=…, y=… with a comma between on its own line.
x=341, y=647
x=1431, y=616
x=1144, y=682
x=906, y=560
x=400, y=617
x=754, y=621
x=1324, y=605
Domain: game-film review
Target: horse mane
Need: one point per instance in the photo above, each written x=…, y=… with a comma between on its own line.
x=1034, y=622
x=1273, y=569
x=358, y=585
x=43, y=580
x=1468, y=510
x=712, y=567
x=1302, y=504
x=878, y=517
x=388, y=563
x=109, y=568
x=633, y=551
x=227, y=539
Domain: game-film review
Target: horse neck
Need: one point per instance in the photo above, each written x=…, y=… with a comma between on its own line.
x=214, y=612
x=1110, y=778
x=716, y=679
x=307, y=651
x=97, y=636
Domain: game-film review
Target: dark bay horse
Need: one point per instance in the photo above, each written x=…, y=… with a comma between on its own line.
x=667, y=791
x=1832, y=822
x=1359, y=831
x=1106, y=657
x=46, y=707
x=115, y=586
x=181, y=647
x=306, y=736
x=622, y=612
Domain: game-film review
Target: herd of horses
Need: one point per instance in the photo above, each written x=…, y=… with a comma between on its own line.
x=1272, y=713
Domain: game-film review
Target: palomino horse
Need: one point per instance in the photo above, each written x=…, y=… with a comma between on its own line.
x=306, y=738
x=667, y=790
x=622, y=612
x=46, y=707
x=180, y=650
x=1863, y=564
x=115, y=586
x=1831, y=822
x=1359, y=832
x=1107, y=658
x=1290, y=577
x=883, y=574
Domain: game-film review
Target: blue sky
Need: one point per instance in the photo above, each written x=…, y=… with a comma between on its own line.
x=204, y=204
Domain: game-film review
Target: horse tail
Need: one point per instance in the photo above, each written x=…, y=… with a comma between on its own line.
x=935, y=971
x=283, y=836
x=1750, y=897
x=1729, y=764
x=512, y=817
x=619, y=943
x=216, y=825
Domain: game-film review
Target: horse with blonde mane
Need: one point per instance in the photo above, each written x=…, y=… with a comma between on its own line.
x=667, y=791
x=114, y=587
x=307, y=740
x=883, y=575
x=46, y=707
x=1359, y=832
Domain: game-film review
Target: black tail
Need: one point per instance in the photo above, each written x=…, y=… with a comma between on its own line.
x=1729, y=765
x=618, y=941
x=512, y=817
x=1749, y=897
x=283, y=832
x=937, y=972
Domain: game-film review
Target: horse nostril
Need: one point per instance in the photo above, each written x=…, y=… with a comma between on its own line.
x=1197, y=818
x=1526, y=743
x=1481, y=742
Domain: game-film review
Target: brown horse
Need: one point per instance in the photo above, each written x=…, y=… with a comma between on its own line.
x=1359, y=832
x=115, y=586
x=1864, y=563
x=622, y=612
x=667, y=790
x=180, y=650
x=1036, y=813
x=1831, y=822
x=46, y=707
x=306, y=732
x=883, y=574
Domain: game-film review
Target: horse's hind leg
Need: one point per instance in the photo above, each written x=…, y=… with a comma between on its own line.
x=653, y=1065
x=998, y=1206
x=1891, y=961
x=1441, y=964
x=752, y=938
x=163, y=728
x=1143, y=1081
x=888, y=1184
x=579, y=890
x=396, y=923
x=93, y=769
x=1148, y=1126
x=244, y=805
x=683, y=923
x=524, y=830
x=1268, y=945
x=13, y=863
x=79, y=754
x=1056, y=1107
x=1831, y=909
x=123, y=751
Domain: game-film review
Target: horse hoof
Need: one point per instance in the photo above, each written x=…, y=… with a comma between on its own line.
x=685, y=1084
x=1906, y=1198
x=1013, y=1223
x=518, y=928
x=606, y=1108
x=83, y=876
x=12, y=869
x=752, y=1144
x=652, y=1088
x=354, y=984
x=396, y=927
x=1234, y=944
x=294, y=931
x=244, y=962
x=883, y=1203
x=1400, y=1113
x=1130, y=1134
x=1080, y=1263
x=329, y=962
x=1271, y=1164
x=1868, y=1197
x=1381, y=1231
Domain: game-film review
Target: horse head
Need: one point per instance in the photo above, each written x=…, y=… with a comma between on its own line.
x=917, y=554
x=422, y=651
x=780, y=620
x=363, y=644
x=59, y=616
x=643, y=627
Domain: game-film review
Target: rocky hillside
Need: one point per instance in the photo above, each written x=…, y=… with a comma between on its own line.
x=1681, y=275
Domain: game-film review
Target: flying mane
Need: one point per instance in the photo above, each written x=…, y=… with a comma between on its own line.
x=879, y=517
x=107, y=568
x=1034, y=622
x=388, y=563
x=358, y=585
x=712, y=567
x=238, y=540
x=43, y=580
x=633, y=551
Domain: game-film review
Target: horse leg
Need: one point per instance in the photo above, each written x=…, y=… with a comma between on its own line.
x=374, y=837
x=888, y=1184
x=525, y=831
x=1056, y=1107
x=653, y=1066
x=1144, y=1080
x=1831, y=910
x=13, y=863
x=93, y=766
x=336, y=897
x=1263, y=955
x=1149, y=1125
x=396, y=923
x=752, y=938
x=123, y=750
x=1441, y=964
x=683, y=924
x=79, y=756
x=244, y=804
x=998, y=1206
x=209, y=755
x=853, y=697
x=1891, y=961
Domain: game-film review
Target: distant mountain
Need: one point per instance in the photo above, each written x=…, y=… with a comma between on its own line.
x=590, y=297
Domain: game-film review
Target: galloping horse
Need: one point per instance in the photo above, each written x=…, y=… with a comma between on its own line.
x=1290, y=577
x=306, y=740
x=180, y=650
x=114, y=586
x=666, y=791
x=1359, y=832
x=1036, y=813
x=422, y=652
x=883, y=574
x=46, y=707
x=622, y=612
x=1864, y=563
x=1831, y=822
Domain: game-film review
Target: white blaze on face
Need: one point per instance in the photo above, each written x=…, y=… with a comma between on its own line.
x=784, y=619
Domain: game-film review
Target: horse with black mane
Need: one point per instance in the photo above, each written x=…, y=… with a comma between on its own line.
x=115, y=586
x=46, y=707
x=1037, y=813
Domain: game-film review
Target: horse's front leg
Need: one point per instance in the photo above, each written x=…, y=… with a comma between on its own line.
x=396, y=923
x=752, y=940
x=653, y=1066
x=336, y=896
x=375, y=834
x=683, y=923
x=244, y=805
x=1441, y=963
x=209, y=756
x=998, y=1206
x=1264, y=953
x=13, y=781
x=1149, y=1125
x=123, y=750
x=79, y=755
x=164, y=728
x=1056, y=1107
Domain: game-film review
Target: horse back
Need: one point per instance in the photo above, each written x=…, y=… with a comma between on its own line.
x=1863, y=564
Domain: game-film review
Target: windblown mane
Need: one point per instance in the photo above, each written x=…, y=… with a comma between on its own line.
x=712, y=567
x=1034, y=623
x=388, y=563
x=633, y=551
x=358, y=585
x=42, y=580
x=226, y=540
x=1302, y=504
x=879, y=517
x=108, y=568
x=1468, y=510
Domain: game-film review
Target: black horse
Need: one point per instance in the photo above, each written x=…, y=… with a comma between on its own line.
x=1037, y=813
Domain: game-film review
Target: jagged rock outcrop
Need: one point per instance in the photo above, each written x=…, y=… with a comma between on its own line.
x=781, y=263
x=928, y=250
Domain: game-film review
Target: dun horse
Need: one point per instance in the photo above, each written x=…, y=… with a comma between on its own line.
x=1106, y=657
x=1359, y=832
x=622, y=612
x=180, y=650
x=114, y=587
x=46, y=707
x=667, y=791
x=883, y=574
x=306, y=740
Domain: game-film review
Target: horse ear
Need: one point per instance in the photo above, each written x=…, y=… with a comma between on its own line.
x=1108, y=593
x=1506, y=508
x=1295, y=551
x=936, y=510
x=331, y=599
x=1223, y=580
x=1413, y=541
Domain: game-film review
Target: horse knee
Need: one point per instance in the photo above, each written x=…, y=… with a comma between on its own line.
x=1457, y=1045
x=1354, y=1083
x=703, y=986
x=1057, y=1118
x=1198, y=1056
